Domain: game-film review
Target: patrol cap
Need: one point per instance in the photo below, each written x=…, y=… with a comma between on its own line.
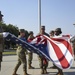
x=22, y=30
x=43, y=27
x=52, y=31
x=1, y=14
x=58, y=30
x=31, y=32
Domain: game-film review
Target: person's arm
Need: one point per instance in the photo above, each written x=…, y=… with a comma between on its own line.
x=72, y=39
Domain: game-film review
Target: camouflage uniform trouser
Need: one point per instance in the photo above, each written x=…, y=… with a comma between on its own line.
x=21, y=59
x=0, y=59
x=30, y=57
x=1, y=47
x=0, y=56
x=42, y=64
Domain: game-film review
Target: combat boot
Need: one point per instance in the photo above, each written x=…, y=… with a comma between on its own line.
x=25, y=73
x=30, y=67
x=14, y=73
x=42, y=71
x=15, y=70
x=45, y=71
x=60, y=73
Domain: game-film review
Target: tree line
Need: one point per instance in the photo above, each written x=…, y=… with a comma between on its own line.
x=13, y=29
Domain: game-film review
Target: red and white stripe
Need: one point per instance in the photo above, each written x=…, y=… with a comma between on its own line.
x=60, y=51
x=59, y=48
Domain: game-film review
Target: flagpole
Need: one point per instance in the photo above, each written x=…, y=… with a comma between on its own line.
x=39, y=14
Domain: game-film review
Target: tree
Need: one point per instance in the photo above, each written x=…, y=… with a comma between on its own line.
x=13, y=29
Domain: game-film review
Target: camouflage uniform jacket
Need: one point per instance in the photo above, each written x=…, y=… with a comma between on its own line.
x=20, y=49
x=1, y=42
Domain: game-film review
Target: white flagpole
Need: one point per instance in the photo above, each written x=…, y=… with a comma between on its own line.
x=39, y=14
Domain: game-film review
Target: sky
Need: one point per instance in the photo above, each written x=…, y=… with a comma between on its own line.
x=54, y=14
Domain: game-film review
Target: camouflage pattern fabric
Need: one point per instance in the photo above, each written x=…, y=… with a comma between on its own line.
x=1, y=47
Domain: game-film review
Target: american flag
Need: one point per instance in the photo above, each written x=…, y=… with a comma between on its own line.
x=57, y=49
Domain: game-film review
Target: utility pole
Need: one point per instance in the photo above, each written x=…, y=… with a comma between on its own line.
x=39, y=14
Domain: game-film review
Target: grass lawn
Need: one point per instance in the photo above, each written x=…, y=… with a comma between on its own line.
x=9, y=53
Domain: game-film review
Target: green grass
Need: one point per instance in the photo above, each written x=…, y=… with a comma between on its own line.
x=9, y=53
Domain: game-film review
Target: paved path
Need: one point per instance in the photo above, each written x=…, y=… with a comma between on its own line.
x=9, y=63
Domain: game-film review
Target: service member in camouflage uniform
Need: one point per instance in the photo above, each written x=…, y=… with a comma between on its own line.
x=51, y=34
x=43, y=61
x=1, y=47
x=1, y=40
x=30, y=54
x=21, y=55
x=1, y=16
x=57, y=33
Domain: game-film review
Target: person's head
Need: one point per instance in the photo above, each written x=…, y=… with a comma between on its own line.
x=1, y=16
x=42, y=29
x=31, y=33
x=22, y=32
x=57, y=31
x=51, y=33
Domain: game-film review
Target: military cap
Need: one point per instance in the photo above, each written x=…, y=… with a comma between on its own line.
x=58, y=30
x=31, y=32
x=1, y=14
x=22, y=30
x=42, y=27
x=52, y=31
